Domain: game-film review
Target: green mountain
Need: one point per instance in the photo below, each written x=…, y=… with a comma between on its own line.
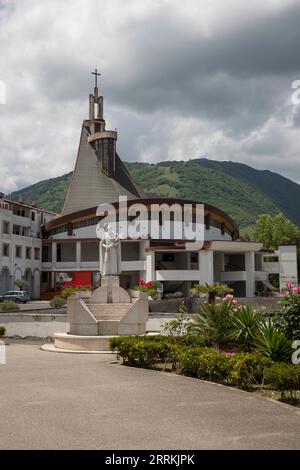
x=48, y=194
x=241, y=191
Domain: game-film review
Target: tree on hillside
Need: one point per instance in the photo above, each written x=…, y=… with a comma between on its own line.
x=273, y=231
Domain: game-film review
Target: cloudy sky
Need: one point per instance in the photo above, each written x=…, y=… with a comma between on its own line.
x=181, y=80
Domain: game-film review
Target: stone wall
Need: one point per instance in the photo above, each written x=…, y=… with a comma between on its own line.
x=41, y=323
x=268, y=304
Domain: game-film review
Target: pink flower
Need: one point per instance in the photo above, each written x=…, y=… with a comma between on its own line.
x=234, y=301
x=228, y=297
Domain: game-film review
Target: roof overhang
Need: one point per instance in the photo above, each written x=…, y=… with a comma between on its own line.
x=235, y=246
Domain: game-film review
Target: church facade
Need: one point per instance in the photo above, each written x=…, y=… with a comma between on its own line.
x=70, y=249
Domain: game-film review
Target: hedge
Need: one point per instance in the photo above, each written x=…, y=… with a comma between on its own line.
x=187, y=355
x=242, y=370
x=284, y=377
x=141, y=352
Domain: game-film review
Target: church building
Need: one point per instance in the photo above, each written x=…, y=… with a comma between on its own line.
x=70, y=249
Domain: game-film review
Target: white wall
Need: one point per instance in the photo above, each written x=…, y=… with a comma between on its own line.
x=288, y=273
x=37, y=324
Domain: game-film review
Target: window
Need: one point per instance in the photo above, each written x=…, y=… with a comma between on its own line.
x=18, y=251
x=36, y=253
x=5, y=249
x=28, y=252
x=168, y=257
x=46, y=253
x=33, y=216
x=194, y=257
x=45, y=277
x=5, y=227
x=70, y=229
x=207, y=221
x=17, y=229
x=58, y=252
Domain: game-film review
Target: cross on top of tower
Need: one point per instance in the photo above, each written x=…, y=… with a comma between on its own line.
x=97, y=74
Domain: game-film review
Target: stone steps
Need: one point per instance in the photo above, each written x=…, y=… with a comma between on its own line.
x=108, y=327
x=108, y=312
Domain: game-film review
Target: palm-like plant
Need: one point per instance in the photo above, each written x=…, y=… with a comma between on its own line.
x=212, y=290
x=245, y=324
x=272, y=342
x=212, y=322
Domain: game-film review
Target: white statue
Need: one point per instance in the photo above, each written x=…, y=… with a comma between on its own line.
x=110, y=253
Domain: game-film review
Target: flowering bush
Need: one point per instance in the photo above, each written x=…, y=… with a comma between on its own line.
x=148, y=287
x=71, y=288
x=231, y=298
x=289, y=318
x=79, y=285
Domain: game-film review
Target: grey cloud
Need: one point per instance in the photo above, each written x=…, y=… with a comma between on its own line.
x=171, y=89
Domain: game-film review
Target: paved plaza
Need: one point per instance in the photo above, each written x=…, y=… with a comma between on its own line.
x=67, y=401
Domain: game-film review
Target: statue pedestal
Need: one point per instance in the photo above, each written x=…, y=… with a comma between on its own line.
x=109, y=311
x=110, y=291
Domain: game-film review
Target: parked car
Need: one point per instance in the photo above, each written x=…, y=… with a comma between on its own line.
x=18, y=296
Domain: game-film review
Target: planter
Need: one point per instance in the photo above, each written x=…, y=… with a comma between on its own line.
x=84, y=294
x=137, y=294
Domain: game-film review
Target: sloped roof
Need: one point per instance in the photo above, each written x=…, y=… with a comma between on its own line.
x=91, y=186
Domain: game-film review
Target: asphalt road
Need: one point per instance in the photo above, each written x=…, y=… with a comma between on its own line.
x=67, y=401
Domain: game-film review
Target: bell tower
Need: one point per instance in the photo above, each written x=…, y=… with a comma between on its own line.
x=103, y=141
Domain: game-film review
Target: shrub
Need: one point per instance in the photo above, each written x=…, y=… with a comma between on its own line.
x=289, y=318
x=135, y=351
x=248, y=369
x=73, y=287
x=272, y=342
x=8, y=306
x=67, y=291
x=284, y=377
x=2, y=331
x=242, y=370
x=148, y=287
x=185, y=340
x=245, y=325
x=179, y=325
x=174, y=295
x=57, y=302
x=213, y=323
x=205, y=364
